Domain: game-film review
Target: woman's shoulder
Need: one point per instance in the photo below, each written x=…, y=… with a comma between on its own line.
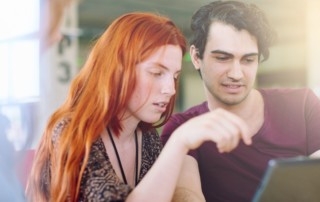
x=151, y=135
x=152, y=142
x=58, y=128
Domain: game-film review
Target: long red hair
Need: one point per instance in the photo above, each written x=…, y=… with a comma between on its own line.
x=97, y=96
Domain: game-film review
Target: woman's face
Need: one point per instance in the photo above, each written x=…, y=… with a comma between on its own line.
x=156, y=78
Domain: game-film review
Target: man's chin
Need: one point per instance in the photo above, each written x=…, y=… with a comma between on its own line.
x=232, y=100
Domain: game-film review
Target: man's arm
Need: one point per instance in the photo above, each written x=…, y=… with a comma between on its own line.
x=189, y=186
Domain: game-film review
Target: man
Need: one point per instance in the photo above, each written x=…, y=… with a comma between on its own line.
x=230, y=39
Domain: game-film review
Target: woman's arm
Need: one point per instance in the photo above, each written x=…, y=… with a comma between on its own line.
x=188, y=188
x=218, y=126
x=160, y=181
x=315, y=154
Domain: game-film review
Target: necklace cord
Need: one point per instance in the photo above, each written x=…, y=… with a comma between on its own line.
x=119, y=160
x=137, y=156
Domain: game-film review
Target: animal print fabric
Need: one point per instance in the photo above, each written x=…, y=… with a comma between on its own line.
x=99, y=181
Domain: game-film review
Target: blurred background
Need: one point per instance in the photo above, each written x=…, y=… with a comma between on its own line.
x=294, y=59
x=34, y=83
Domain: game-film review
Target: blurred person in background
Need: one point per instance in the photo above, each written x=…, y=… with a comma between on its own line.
x=9, y=183
x=52, y=13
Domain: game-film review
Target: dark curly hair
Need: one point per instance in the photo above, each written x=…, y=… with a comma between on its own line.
x=238, y=14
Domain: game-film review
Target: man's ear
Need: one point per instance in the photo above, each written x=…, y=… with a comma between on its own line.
x=194, y=54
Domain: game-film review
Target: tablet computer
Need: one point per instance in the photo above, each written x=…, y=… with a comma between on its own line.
x=290, y=180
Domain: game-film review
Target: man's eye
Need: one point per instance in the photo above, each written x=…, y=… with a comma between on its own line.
x=222, y=58
x=176, y=78
x=249, y=60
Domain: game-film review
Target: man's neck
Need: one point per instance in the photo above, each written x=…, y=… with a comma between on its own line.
x=251, y=110
x=252, y=104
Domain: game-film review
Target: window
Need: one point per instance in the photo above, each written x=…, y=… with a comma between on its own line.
x=19, y=50
x=19, y=66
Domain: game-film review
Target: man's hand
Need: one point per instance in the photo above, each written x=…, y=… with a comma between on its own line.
x=220, y=126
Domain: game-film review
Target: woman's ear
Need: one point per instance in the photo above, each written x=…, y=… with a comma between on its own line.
x=194, y=54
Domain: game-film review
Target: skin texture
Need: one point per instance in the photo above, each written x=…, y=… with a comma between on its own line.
x=228, y=70
x=155, y=85
x=228, y=67
x=227, y=59
x=156, y=79
x=126, y=84
x=227, y=132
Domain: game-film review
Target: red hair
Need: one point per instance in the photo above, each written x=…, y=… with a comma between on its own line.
x=97, y=96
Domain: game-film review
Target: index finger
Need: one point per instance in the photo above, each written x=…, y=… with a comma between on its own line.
x=240, y=124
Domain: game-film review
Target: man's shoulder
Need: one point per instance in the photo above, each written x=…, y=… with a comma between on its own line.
x=285, y=93
x=179, y=118
x=289, y=98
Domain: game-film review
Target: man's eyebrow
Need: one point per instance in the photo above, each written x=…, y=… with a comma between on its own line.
x=251, y=54
x=221, y=52
x=229, y=54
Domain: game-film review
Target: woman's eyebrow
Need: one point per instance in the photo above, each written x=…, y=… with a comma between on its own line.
x=165, y=67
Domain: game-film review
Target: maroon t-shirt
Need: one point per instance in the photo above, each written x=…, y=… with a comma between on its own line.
x=291, y=128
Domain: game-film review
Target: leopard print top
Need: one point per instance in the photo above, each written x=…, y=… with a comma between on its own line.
x=99, y=181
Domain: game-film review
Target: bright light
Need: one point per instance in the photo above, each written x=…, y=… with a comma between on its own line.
x=18, y=18
x=19, y=50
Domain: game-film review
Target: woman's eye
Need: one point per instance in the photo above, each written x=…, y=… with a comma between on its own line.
x=156, y=73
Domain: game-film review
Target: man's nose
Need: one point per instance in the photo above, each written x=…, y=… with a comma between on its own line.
x=235, y=71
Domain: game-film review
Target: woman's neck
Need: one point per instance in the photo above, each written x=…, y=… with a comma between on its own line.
x=129, y=126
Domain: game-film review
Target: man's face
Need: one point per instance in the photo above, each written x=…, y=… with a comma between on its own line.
x=229, y=64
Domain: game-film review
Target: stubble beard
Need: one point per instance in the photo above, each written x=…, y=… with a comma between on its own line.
x=228, y=100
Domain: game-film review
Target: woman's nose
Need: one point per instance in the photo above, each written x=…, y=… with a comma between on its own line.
x=169, y=87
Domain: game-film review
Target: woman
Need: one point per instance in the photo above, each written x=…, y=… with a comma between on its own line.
x=101, y=143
